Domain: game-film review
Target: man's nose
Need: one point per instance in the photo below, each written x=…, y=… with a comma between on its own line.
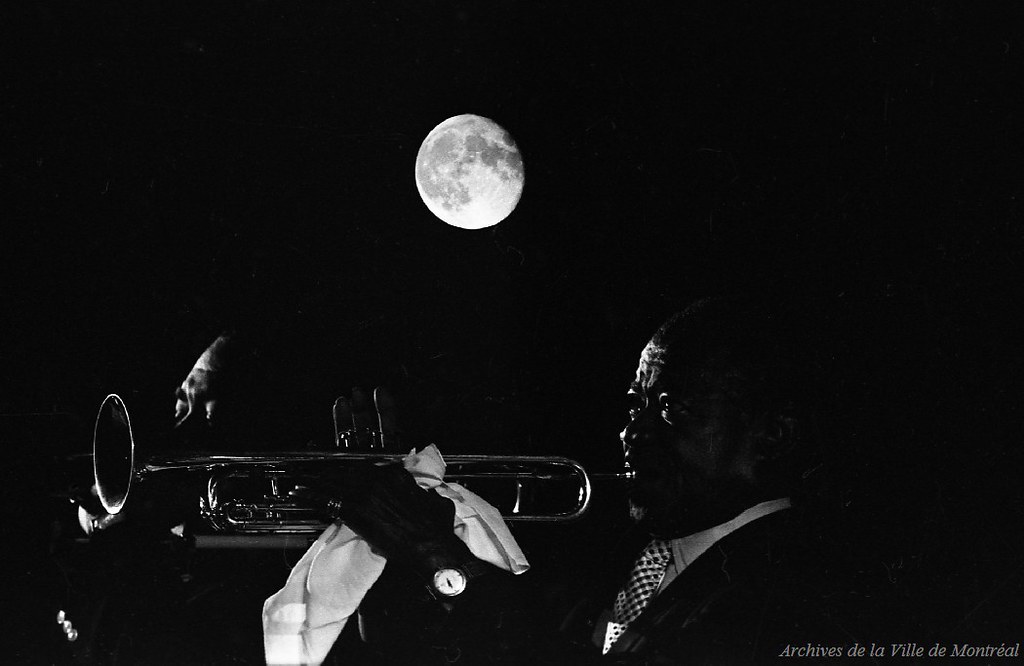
x=638, y=431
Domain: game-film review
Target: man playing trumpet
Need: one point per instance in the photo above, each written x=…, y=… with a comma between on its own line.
x=720, y=567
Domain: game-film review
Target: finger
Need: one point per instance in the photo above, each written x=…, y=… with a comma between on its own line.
x=386, y=415
x=211, y=407
x=109, y=520
x=182, y=412
x=362, y=418
x=181, y=403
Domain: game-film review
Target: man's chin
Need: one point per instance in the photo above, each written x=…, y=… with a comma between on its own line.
x=658, y=508
x=637, y=512
x=656, y=521
x=669, y=520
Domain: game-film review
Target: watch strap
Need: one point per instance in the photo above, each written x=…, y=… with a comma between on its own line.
x=474, y=568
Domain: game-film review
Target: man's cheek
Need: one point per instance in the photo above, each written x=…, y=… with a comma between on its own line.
x=682, y=488
x=668, y=485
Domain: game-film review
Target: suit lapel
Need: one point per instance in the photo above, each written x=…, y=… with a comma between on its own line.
x=712, y=574
x=583, y=620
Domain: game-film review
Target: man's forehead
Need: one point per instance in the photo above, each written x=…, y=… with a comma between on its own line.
x=653, y=353
x=652, y=363
x=659, y=365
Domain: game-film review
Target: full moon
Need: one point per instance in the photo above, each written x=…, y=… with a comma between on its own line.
x=469, y=172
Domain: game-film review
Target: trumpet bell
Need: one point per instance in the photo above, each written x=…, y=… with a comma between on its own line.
x=113, y=461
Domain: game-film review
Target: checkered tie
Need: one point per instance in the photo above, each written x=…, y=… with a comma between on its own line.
x=643, y=582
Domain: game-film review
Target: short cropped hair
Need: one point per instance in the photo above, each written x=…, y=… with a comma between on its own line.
x=755, y=350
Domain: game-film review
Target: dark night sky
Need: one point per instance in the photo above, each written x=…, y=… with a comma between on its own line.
x=173, y=168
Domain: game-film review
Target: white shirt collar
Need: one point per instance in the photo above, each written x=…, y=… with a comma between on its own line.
x=687, y=549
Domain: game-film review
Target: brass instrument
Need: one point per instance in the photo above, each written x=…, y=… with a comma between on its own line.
x=248, y=494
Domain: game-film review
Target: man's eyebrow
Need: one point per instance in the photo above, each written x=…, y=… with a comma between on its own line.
x=634, y=387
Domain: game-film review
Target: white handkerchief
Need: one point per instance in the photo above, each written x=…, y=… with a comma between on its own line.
x=477, y=522
x=303, y=619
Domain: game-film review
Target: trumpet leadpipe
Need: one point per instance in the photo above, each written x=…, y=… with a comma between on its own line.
x=624, y=475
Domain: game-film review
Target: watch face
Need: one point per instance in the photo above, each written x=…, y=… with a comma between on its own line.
x=449, y=582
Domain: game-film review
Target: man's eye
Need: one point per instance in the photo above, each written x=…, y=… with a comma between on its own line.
x=671, y=409
x=633, y=412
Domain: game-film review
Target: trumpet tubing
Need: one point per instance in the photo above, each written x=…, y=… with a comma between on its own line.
x=249, y=493
x=246, y=493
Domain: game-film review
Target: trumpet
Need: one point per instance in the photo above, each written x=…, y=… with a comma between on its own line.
x=248, y=493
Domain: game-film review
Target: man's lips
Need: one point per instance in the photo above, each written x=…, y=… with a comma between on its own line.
x=645, y=468
x=643, y=458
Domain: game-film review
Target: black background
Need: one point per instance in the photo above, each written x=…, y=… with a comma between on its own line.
x=172, y=168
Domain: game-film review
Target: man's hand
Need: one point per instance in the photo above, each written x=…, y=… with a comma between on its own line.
x=90, y=522
x=384, y=505
x=199, y=393
x=91, y=514
x=388, y=509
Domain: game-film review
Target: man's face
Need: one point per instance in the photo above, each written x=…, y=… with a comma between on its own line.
x=691, y=445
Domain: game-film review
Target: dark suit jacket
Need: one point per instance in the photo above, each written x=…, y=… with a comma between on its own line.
x=762, y=588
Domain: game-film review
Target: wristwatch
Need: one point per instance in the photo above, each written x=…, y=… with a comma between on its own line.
x=452, y=581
